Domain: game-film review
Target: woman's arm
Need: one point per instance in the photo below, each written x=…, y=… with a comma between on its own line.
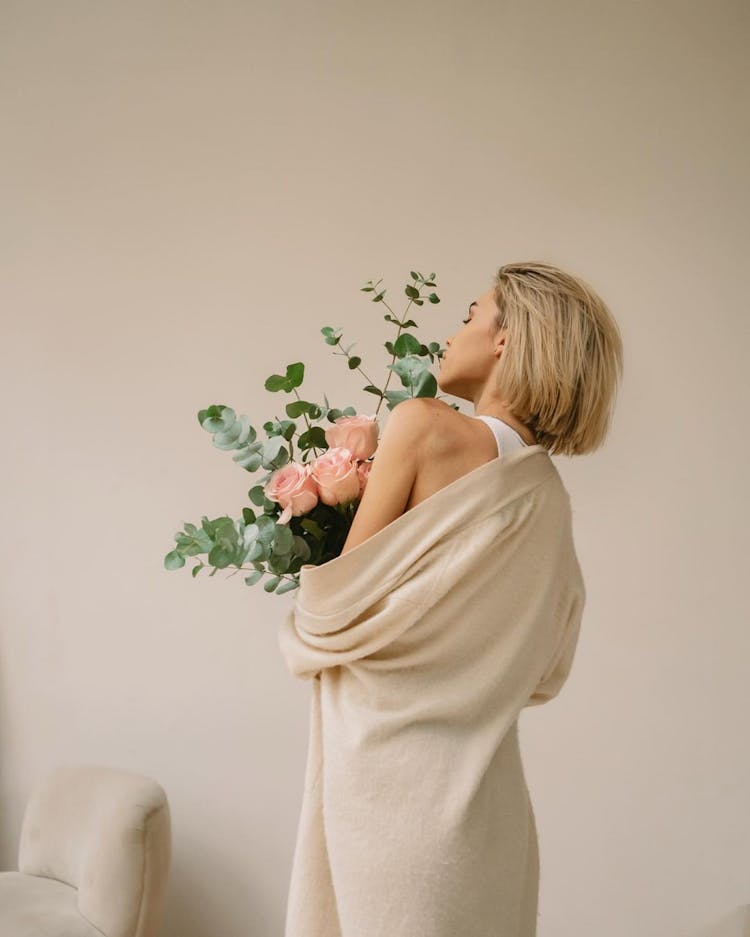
x=393, y=472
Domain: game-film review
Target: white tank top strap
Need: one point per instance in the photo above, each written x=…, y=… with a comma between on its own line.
x=507, y=438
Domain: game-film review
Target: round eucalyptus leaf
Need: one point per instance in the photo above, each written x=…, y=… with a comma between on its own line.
x=174, y=560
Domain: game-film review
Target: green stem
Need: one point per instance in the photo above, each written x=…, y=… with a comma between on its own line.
x=390, y=370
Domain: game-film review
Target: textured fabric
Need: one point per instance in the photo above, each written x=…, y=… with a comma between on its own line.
x=32, y=906
x=423, y=643
x=93, y=857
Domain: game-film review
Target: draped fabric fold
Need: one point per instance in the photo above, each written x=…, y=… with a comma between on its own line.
x=423, y=645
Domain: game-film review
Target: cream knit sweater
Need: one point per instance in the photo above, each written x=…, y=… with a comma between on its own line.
x=423, y=644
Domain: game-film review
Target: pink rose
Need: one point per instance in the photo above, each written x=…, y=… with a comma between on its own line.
x=292, y=487
x=336, y=476
x=363, y=470
x=358, y=434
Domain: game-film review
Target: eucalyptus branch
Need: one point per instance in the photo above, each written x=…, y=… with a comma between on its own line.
x=319, y=533
x=393, y=358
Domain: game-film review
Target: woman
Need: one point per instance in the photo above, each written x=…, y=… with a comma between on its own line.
x=456, y=603
x=539, y=351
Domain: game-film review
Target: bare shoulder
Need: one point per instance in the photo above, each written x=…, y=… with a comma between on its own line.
x=437, y=423
x=415, y=413
x=446, y=428
x=450, y=445
x=443, y=432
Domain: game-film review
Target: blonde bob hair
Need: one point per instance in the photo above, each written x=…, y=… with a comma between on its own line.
x=563, y=356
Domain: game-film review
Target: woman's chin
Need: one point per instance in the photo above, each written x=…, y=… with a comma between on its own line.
x=448, y=386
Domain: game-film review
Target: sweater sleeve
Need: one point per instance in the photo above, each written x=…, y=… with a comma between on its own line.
x=562, y=660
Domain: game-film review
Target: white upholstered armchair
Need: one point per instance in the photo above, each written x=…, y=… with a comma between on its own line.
x=93, y=859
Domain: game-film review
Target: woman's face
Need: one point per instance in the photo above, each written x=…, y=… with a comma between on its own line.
x=472, y=352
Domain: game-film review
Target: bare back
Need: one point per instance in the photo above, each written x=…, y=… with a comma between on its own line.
x=454, y=444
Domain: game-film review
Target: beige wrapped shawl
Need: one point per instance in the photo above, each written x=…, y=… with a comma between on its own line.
x=425, y=642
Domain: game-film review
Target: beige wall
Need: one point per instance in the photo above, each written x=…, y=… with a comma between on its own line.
x=190, y=191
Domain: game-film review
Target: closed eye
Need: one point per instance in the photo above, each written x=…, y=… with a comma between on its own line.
x=466, y=320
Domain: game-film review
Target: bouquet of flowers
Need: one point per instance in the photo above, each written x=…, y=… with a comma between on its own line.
x=305, y=505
